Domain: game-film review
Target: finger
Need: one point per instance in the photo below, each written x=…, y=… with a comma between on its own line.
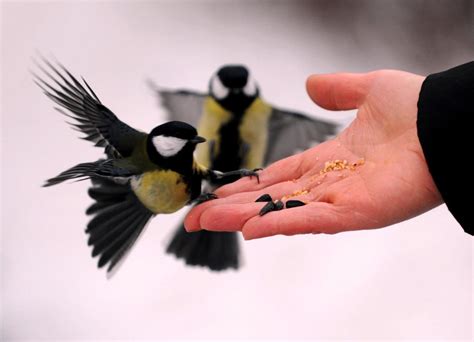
x=229, y=217
x=341, y=91
x=315, y=217
x=282, y=170
x=194, y=222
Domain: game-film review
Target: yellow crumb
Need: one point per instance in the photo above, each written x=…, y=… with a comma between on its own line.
x=338, y=165
x=295, y=193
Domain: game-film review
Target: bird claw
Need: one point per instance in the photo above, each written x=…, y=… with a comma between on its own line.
x=236, y=173
x=251, y=173
x=206, y=197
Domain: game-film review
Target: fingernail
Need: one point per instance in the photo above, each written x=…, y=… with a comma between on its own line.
x=248, y=237
x=189, y=228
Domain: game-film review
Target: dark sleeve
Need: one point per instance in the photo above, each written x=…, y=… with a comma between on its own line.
x=446, y=133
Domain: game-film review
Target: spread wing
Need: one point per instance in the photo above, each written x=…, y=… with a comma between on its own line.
x=181, y=105
x=290, y=132
x=92, y=118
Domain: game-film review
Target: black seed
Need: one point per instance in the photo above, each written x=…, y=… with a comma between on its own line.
x=294, y=204
x=270, y=206
x=264, y=198
x=279, y=205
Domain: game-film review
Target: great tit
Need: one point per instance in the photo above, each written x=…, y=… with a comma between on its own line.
x=143, y=174
x=243, y=131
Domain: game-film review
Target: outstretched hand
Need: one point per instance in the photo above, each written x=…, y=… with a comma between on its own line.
x=371, y=175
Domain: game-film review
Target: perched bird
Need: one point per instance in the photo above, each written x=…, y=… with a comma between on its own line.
x=142, y=175
x=243, y=131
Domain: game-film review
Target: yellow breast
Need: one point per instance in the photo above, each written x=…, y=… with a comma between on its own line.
x=211, y=121
x=161, y=191
x=254, y=133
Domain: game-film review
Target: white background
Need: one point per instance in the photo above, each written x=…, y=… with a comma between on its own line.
x=413, y=280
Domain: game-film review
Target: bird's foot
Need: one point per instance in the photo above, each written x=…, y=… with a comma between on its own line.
x=241, y=173
x=208, y=196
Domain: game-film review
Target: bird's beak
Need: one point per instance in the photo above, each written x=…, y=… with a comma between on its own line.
x=197, y=139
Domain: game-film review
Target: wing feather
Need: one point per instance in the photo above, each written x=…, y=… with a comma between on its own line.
x=181, y=105
x=80, y=103
x=290, y=132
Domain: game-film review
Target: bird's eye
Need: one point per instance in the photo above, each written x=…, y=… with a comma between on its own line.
x=217, y=88
x=250, y=88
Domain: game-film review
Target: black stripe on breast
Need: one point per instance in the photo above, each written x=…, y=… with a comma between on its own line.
x=229, y=156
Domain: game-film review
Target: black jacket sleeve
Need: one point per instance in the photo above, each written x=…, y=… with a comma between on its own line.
x=446, y=132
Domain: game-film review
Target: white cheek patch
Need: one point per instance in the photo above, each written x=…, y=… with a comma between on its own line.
x=168, y=146
x=250, y=88
x=217, y=88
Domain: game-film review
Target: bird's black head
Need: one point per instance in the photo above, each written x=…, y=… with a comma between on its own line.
x=234, y=88
x=171, y=146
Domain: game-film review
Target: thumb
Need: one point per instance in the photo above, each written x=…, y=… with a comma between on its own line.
x=341, y=91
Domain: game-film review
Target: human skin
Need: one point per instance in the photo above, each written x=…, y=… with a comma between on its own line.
x=391, y=182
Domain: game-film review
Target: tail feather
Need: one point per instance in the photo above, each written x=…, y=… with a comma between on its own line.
x=215, y=250
x=105, y=241
x=118, y=240
x=109, y=224
x=108, y=216
x=98, y=206
x=105, y=196
x=121, y=253
x=119, y=219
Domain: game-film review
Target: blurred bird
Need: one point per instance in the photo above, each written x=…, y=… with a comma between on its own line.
x=243, y=131
x=143, y=174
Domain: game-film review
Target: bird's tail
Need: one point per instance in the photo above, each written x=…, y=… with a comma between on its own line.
x=215, y=250
x=119, y=219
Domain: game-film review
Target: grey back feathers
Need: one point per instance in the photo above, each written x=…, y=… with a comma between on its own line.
x=181, y=105
x=291, y=132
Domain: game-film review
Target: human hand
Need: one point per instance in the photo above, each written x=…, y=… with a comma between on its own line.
x=389, y=184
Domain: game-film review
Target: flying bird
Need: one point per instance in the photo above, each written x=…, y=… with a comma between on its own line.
x=244, y=131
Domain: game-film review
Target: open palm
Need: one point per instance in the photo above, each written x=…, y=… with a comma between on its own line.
x=371, y=175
